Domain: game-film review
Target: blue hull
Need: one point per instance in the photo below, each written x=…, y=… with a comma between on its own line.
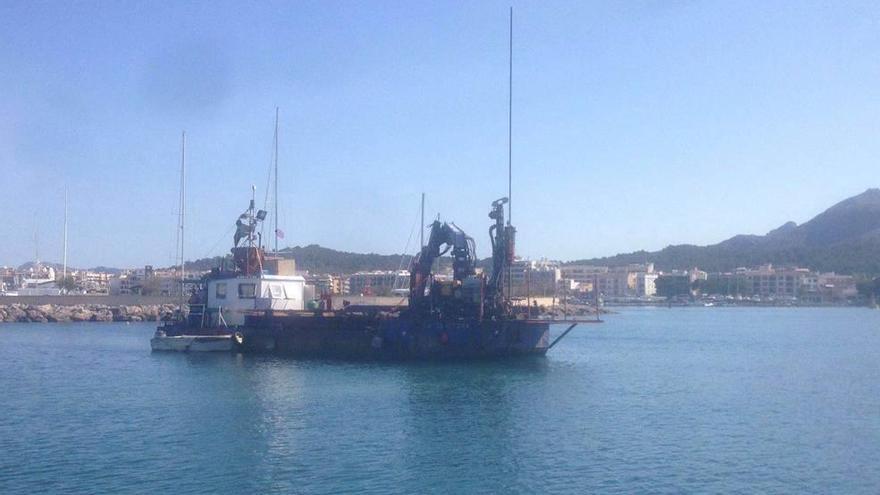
x=393, y=338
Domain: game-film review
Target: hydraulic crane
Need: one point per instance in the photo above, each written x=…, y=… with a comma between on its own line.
x=468, y=294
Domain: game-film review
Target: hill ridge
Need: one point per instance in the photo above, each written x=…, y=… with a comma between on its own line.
x=844, y=238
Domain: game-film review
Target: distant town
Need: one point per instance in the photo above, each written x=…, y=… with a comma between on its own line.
x=539, y=280
x=845, y=238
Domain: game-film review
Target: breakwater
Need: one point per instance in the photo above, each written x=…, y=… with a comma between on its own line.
x=50, y=313
x=86, y=299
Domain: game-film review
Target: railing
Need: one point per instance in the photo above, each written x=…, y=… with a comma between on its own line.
x=198, y=310
x=220, y=317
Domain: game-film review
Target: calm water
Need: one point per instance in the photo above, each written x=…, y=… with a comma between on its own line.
x=654, y=400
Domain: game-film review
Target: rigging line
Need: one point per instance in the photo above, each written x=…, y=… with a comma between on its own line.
x=399, y=303
x=275, y=194
x=219, y=240
x=418, y=221
x=268, y=183
x=406, y=250
x=273, y=160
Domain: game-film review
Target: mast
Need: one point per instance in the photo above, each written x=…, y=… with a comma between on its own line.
x=36, y=243
x=251, y=222
x=276, y=181
x=510, y=124
x=182, y=218
x=422, y=228
x=64, y=258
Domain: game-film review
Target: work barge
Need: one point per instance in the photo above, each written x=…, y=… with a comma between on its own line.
x=259, y=305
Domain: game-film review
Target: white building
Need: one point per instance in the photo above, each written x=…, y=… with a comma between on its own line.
x=632, y=280
x=536, y=278
x=378, y=283
x=646, y=284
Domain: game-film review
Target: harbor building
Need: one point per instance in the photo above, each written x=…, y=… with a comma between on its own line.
x=769, y=282
x=582, y=274
x=646, y=284
x=322, y=283
x=536, y=278
x=89, y=282
x=836, y=288
x=378, y=283
x=625, y=281
x=328, y=284
x=7, y=279
x=148, y=281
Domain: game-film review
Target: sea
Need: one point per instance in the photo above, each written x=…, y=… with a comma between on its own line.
x=653, y=400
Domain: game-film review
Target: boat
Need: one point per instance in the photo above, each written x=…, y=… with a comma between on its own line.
x=192, y=338
x=259, y=305
x=191, y=343
x=266, y=307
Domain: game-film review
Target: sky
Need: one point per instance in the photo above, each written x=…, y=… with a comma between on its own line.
x=636, y=125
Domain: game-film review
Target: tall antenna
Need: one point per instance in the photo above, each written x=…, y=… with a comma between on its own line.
x=510, y=145
x=182, y=217
x=276, y=180
x=510, y=125
x=64, y=265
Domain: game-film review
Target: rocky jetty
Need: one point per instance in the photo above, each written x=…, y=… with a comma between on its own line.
x=50, y=313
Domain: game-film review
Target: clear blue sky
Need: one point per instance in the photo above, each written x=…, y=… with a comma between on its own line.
x=636, y=124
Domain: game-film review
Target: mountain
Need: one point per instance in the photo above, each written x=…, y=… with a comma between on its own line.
x=844, y=238
x=317, y=259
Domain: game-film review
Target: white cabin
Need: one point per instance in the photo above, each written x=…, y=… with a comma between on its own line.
x=236, y=296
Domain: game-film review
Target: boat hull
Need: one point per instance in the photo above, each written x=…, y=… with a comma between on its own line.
x=192, y=343
x=393, y=338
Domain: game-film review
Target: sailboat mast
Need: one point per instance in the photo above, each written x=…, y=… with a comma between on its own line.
x=64, y=258
x=276, y=180
x=36, y=242
x=182, y=216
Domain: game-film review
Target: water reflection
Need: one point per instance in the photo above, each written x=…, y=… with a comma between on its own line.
x=288, y=417
x=466, y=415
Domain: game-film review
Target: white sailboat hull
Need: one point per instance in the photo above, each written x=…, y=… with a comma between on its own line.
x=192, y=343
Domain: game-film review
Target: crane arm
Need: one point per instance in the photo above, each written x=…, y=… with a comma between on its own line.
x=452, y=237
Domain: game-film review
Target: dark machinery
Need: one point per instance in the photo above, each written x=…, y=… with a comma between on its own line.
x=249, y=256
x=468, y=294
x=443, y=238
x=503, y=238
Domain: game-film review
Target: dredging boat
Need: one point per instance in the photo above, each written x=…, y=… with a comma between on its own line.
x=259, y=305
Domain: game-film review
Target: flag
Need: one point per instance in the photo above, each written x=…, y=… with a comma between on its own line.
x=279, y=233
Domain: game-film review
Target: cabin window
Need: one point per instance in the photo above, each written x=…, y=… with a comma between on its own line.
x=247, y=291
x=277, y=291
x=220, y=291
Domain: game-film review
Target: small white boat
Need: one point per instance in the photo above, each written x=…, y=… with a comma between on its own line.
x=191, y=343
